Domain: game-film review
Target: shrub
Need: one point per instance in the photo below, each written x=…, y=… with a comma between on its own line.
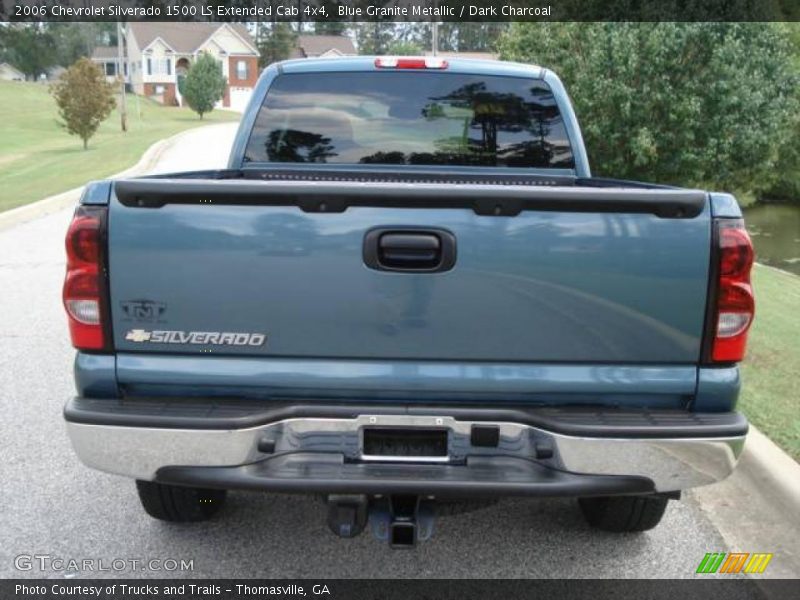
x=204, y=84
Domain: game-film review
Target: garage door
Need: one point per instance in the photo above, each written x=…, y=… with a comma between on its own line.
x=239, y=98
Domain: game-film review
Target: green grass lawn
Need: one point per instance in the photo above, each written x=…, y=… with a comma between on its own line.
x=771, y=371
x=38, y=158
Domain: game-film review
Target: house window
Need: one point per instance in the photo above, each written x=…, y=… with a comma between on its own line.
x=159, y=66
x=159, y=89
x=110, y=70
x=241, y=70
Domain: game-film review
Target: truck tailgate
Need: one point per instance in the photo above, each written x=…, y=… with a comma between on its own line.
x=281, y=269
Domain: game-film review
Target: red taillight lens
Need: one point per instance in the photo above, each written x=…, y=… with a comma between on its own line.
x=736, y=251
x=83, y=241
x=393, y=62
x=735, y=303
x=85, y=287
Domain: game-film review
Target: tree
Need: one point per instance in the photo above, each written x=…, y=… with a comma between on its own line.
x=275, y=42
x=374, y=37
x=404, y=48
x=697, y=104
x=71, y=41
x=416, y=32
x=470, y=37
x=204, y=84
x=787, y=185
x=330, y=28
x=29, y=47
x=84, y=99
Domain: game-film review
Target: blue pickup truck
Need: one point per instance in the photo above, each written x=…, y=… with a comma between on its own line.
x=406, y=293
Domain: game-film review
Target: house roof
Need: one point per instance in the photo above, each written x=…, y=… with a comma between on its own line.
x=316, y=45
x=184, y=38
x=104, y=52
x=10, y=67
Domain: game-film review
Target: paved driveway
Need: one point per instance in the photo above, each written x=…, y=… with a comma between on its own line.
x=52, y=505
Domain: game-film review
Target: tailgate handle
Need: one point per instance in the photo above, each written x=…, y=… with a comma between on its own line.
x=413, y=250
x=410, y=250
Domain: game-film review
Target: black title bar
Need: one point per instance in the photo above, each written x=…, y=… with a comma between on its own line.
x=383, y=589
x=398, y=10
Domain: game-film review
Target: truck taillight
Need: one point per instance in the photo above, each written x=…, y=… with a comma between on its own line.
x=85, y=286
x=735, y=305
x=393, y=62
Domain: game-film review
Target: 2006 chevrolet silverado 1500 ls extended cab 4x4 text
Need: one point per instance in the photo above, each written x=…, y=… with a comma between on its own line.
x=407, y=290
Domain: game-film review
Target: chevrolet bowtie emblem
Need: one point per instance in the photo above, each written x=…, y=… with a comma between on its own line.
x=138, y=335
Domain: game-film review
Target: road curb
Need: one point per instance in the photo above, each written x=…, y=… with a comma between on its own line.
x=771, y=468
x=51, y=204
x=757, y=508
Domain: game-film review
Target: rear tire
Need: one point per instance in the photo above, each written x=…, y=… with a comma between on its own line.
x=621, y=514
x=179, y=504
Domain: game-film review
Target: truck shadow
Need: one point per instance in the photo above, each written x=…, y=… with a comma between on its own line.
x=267, y=535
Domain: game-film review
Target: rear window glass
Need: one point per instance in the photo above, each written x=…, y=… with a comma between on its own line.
x=428, y=118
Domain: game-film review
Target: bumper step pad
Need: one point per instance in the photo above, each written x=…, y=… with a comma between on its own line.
x=329, y=473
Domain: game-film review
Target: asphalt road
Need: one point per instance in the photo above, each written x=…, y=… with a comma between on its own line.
x=52, y=505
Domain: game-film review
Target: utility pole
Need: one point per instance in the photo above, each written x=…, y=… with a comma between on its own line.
x=435, y=38
x=123, y=109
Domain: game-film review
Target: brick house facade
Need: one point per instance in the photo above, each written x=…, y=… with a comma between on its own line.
x=158, y=56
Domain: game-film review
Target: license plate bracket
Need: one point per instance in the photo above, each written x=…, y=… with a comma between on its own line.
x=405, y=443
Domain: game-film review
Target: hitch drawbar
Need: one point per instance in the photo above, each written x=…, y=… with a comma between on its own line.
x=402, y=520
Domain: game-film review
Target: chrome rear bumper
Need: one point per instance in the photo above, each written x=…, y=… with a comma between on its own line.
x=290, y=453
